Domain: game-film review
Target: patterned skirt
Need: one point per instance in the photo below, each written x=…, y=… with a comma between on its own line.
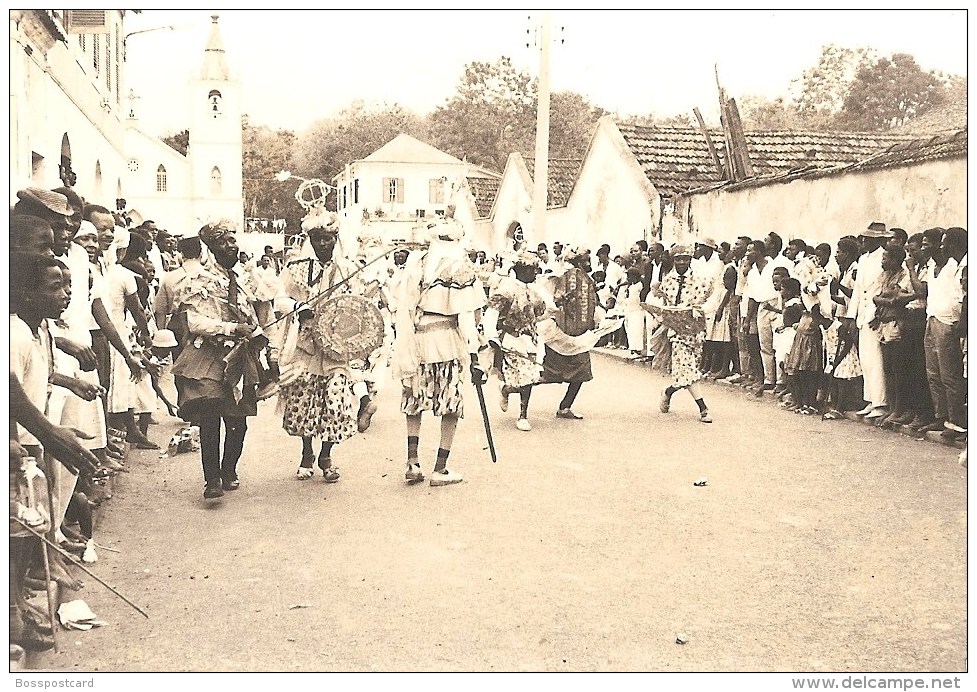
x=686, y=355
x=519, y=366
x=437, y=388
x=319, y=406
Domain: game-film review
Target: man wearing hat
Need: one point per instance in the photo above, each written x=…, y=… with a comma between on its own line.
x=217, y=371
x=860, y=314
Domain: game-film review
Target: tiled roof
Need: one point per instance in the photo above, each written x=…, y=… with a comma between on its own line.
x=950, y=117
x=942, y=146
x=903, y=153
x=561, y=175
x=677, y=159
x=485, y=190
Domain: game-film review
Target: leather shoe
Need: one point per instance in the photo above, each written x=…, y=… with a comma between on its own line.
x=904, y=419
x=230, y=484
x=213, y=491
x=935, y=426
x=568, y=414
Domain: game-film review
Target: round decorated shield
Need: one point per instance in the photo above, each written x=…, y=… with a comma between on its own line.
x=348, y=327
x=578, y=300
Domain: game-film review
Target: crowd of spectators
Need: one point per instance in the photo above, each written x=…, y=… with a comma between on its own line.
x=873, y=324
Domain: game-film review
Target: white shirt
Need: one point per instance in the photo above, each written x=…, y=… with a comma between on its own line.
x=759, y=283
x=944, y=293
x=30, y=363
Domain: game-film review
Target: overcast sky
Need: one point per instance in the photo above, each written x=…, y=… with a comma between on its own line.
x=300, y=65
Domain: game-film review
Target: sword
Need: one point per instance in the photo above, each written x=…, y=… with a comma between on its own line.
x=485, y=419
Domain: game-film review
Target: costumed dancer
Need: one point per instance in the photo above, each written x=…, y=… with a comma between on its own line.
x=437, y=341
x=509, y=325
x=218, y=369
x=684, y=288
x=320, y=395
x=572, y=331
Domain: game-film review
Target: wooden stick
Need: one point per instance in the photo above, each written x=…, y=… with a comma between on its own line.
x=47, y=460
x=709, y=143
x=71, y=558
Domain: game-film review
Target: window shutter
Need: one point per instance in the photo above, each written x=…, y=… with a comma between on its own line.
x=400, y=189
x=88, y=22
x=356, y=191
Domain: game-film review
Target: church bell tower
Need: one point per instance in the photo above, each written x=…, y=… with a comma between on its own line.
x=215, y=152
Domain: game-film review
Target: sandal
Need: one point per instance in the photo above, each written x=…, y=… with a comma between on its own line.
x=304, y=473
x=330, y=474
x=414, y=473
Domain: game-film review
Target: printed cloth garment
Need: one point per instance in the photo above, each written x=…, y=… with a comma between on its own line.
x=437, y=390
x=691, y=291
x=319, y=406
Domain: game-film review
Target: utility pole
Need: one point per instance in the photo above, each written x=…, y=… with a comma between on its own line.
x=540, y=168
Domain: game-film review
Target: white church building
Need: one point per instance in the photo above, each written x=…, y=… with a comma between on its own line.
x=71, y=123
x=181, y=193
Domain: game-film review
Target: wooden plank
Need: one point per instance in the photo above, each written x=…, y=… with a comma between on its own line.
x=709, y=143
x=742, y=152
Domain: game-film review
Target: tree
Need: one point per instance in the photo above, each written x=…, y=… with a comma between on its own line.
x=265, y=153
x=762, y=113
x=824, y=87
x=572, y=122
x=888, y=92
x=331, y=143
x=491, y=115
x=179, y=141
x=652, y=120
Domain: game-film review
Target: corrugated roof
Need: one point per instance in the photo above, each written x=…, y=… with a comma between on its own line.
x=561, y=175
x=677, y=159
x=484, y=190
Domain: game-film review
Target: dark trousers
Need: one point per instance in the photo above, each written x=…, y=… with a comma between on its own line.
x=894, y=368
x=216, y=467
x=944, y=372
x=755, y=358
x=916, y=391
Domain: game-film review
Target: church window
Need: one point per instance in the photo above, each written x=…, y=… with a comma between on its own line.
x=161, y=179
x=214, y=100
x=215, y=181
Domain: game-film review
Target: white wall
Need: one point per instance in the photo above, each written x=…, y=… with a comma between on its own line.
x=825, y=209
x=609, y=203
x=54, y=90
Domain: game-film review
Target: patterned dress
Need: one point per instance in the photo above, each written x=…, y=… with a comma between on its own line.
x=319, y=401
x=519, y=308
x=690, y=291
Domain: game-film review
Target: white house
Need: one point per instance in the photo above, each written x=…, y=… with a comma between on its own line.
x=179, y=192
x=390, y=195
x=66, y=105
